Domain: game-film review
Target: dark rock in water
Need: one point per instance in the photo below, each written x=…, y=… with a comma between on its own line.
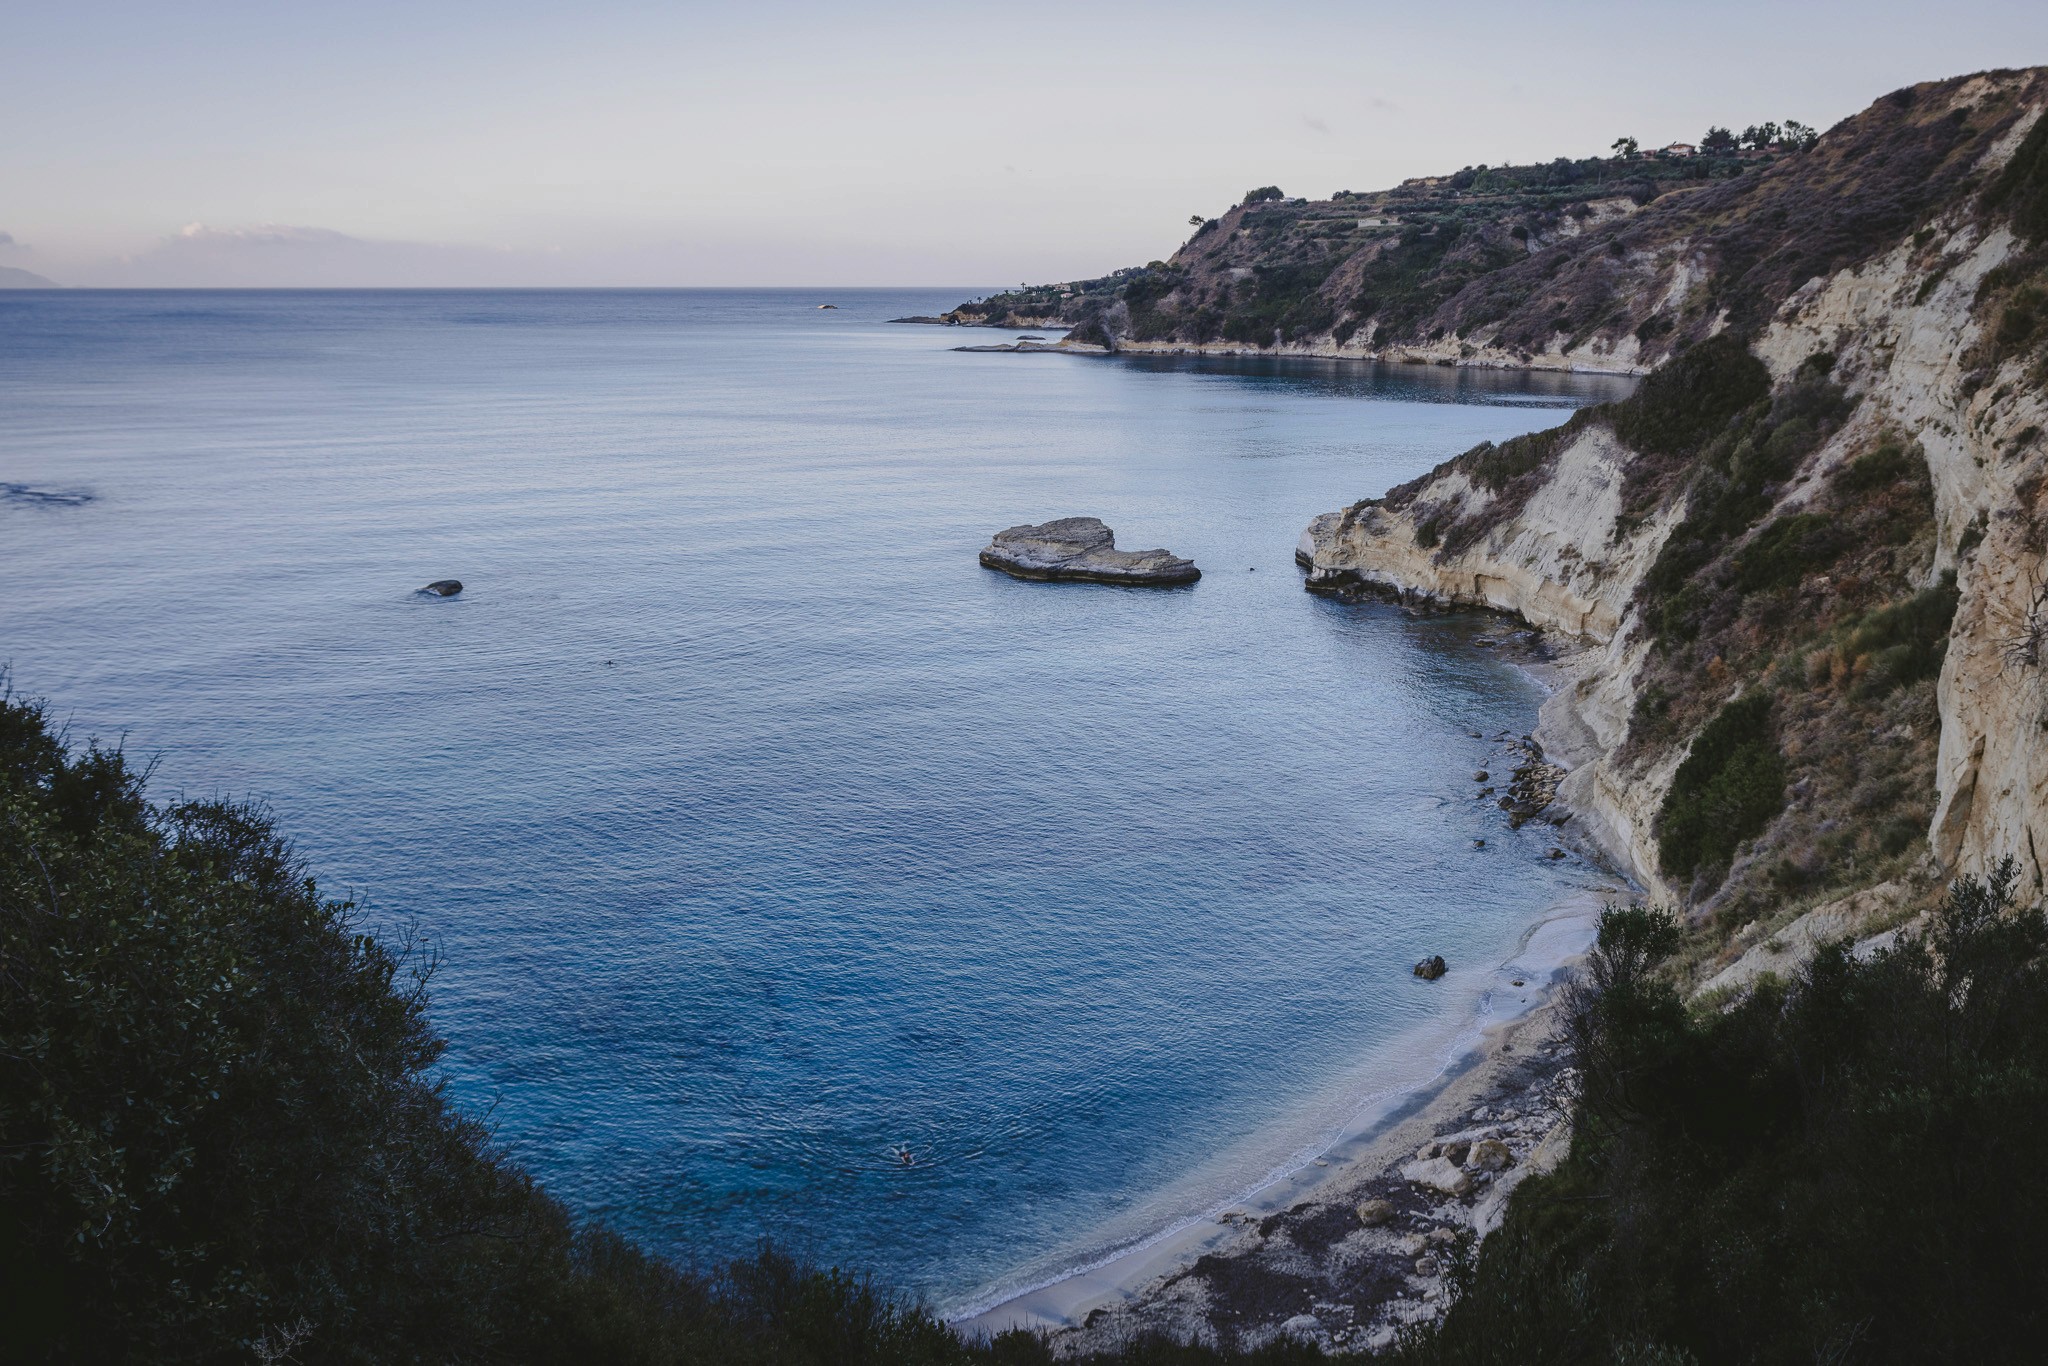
x=34, y=497
x=1431, y=968
x=443, y=588
x=1082, y=549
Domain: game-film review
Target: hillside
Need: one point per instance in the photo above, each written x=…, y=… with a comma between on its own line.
x=1804, y=559
x=1607, y=263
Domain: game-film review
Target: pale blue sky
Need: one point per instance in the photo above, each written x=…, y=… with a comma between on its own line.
x=453, y=141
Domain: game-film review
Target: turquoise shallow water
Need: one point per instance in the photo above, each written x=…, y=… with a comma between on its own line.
x=764, y=833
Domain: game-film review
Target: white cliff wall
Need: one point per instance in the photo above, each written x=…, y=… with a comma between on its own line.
x=1559, y=564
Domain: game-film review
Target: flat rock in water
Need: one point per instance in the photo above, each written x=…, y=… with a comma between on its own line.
x=1084, y=550
x=443, y=588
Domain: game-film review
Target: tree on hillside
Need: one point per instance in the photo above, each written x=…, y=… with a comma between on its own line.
x=1758, y=136
x=1625, y=148
x=1718, y=140
x=1262, y=194
x=1800, y=135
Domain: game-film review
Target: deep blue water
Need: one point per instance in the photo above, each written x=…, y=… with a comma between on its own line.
x=761, y=830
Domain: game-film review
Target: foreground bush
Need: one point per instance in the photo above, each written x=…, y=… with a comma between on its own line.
x=1849, y=1168
x=221, y=1139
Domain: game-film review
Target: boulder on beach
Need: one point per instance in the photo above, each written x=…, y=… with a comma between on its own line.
x=1374, y=1213
x=1438, y=1174
x=1301, y=1328
x=443, y=588
x=1082, y=549
x=1489, y=1155
x=1431, y=968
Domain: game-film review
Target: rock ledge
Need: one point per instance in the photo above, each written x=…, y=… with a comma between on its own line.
x=1082, y=549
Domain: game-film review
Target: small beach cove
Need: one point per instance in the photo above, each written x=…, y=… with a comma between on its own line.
x=765, y=834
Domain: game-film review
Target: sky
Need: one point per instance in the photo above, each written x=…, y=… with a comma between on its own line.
x=778, y=142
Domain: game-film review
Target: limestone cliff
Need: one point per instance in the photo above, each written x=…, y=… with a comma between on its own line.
x=1829, y=501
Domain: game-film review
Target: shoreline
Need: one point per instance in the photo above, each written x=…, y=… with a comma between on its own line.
x=1240, y=1273
x=1553, y=363
x=1293, y=1257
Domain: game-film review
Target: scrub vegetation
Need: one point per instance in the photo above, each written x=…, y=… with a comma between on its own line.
x=1841, y=1168
x=221, y=1140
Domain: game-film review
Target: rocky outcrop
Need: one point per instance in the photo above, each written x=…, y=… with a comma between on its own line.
x=443, y=588
x=1082, y=549
x=1916, y=338
x=1563, y=564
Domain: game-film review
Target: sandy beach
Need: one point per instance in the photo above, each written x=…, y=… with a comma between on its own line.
x=1297, y=1257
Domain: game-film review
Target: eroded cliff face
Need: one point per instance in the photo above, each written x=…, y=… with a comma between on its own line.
x=1892, y=437
x=1562, y=563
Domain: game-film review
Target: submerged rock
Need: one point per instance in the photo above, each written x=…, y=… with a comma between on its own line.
x=1431, y=968
x=443, y=588
x=1082, y=549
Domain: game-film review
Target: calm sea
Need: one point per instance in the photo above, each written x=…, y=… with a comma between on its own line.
x=765, y=835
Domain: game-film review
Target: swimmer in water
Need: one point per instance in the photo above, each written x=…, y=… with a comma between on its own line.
x=903, y=1156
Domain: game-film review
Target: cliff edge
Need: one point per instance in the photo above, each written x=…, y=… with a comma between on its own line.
x=1804, y=562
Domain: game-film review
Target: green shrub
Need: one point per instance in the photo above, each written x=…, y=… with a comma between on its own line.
x=2021, y=189
x=1906, y=641
x=1842, y=1168
x=1497, y=466
x=1882, y=468
x=1691, y=398
x=1787, y=551
x=1729, y=787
